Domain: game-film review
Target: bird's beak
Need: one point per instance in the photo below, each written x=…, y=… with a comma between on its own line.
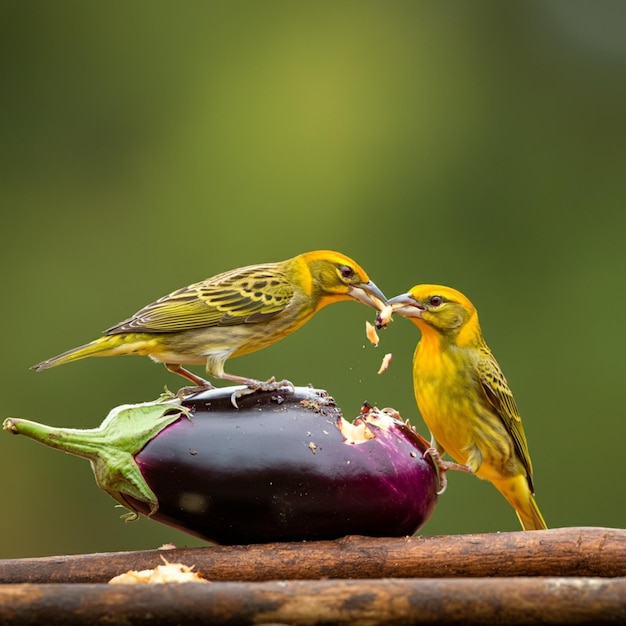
x=369, y=294
x=405, y=304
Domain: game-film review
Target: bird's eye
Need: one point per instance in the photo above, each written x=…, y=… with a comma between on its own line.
x=436, y=301
x=346, y=271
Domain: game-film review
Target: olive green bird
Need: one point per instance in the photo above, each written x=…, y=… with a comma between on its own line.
x=232, y=314
x=464, y=397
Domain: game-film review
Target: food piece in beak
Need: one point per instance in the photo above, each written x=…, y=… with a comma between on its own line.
x=385, y=316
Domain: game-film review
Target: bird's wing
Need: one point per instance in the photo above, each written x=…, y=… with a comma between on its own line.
x=501, y=399
x=246, y=295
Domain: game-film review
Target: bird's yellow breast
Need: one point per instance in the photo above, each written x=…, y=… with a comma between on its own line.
x=445, y=391
x=452, y=405
x=444, y=400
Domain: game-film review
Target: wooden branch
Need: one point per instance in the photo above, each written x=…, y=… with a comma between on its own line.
x=354, y=602
x=555, y=552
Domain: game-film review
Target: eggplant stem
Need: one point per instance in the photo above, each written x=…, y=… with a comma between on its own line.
x=111, y=447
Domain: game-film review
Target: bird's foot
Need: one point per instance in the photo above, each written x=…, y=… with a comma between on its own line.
x=252, y=385
x=191, y=389
x=444, y=466
x=392, y=413
x=199, y=384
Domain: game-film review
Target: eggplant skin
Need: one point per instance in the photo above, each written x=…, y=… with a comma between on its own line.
x=280, y=468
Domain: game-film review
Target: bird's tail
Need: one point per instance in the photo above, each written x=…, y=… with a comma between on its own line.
x=518, y=494
x=105, y=346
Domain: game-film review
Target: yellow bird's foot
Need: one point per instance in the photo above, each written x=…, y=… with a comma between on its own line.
x=253, y=385
x=444, y=466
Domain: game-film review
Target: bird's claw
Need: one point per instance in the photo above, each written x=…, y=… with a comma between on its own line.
x=392, y=413
x=258, y=385
x=444, y=466
x=191, y=389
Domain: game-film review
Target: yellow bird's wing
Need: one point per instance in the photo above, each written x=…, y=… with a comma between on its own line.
x=246, y=295
x=501, y=399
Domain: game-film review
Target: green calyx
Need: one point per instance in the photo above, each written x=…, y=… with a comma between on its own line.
x=111, y=448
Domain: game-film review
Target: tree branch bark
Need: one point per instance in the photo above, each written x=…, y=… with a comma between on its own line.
x=579, y=551
x=354, y=602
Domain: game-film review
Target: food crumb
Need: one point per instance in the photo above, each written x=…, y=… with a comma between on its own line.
x=166, y=573
x=371, y=333
x=385, y=364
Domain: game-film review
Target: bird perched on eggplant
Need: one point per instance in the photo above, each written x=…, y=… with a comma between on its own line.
x=231, y=314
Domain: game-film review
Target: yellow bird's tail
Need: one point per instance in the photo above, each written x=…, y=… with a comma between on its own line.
x=518, y=494
x=108, y=345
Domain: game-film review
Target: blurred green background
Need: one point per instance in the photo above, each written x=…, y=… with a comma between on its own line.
x=148, y=145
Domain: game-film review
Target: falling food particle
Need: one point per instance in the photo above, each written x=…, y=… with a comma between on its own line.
x=312, y=447
x=371, y=333
x=385, y=364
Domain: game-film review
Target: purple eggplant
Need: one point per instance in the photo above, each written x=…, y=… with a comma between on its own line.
x=284, y=466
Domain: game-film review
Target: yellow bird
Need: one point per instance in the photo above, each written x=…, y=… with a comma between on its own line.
x=231, y=314
x=464, y=398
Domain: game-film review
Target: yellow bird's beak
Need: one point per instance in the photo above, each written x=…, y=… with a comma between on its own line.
x=369, y=294
x=405, y=304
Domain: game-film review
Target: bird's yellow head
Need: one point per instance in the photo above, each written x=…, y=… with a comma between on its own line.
x=435, y=307
x=329, y=276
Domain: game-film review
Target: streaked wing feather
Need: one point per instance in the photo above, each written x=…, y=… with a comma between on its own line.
x=247, y=295
x=501, y=398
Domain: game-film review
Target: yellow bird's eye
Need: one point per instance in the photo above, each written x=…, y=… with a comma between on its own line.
x=436, y=301
x=346, y=271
